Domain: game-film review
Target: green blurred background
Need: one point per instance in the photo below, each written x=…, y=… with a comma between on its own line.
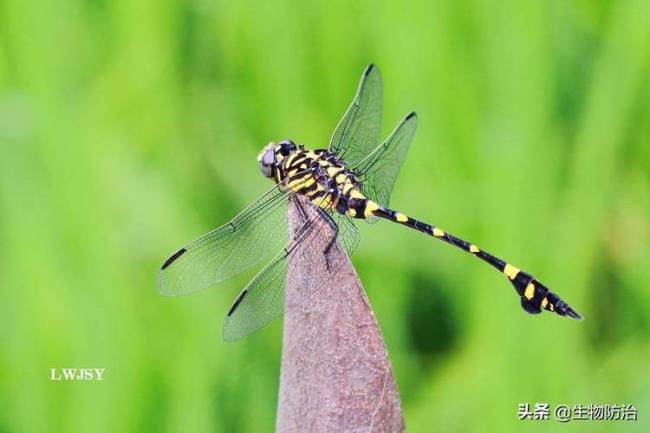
x=130, y=127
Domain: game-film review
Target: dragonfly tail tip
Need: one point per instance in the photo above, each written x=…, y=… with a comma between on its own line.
x=570, y=312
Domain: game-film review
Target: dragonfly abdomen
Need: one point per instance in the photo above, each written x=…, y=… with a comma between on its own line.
x=535, y=296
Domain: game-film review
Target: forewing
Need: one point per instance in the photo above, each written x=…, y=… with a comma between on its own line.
x=358, y=131
x=256, y=233
x=379, y=170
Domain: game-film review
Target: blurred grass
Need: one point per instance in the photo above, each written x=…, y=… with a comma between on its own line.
x=128, y=128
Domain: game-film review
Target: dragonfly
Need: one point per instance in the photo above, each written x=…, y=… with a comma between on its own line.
x=351, y=180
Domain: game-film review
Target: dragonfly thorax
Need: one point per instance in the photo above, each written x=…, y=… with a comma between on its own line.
x=317, y=174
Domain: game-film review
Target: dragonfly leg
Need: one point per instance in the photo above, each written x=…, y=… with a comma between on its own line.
x=335, y=233
x=305, y=217
x=301, y=209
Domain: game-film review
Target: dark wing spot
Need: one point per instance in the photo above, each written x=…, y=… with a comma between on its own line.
x=411, y=114
x=368, y=69
x=173, y=258
x=235, y=304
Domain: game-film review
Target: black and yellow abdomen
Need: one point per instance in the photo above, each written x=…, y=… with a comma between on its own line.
x=534, y=295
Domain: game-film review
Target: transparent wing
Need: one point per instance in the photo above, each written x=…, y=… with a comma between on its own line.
x=358, y=131
x=256, y=233
x=378, y=171
x=263, y=299
x=348, y=236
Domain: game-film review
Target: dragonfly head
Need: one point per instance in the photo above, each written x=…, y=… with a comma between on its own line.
x=272, y=154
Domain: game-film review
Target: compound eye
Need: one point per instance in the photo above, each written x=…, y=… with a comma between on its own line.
x=286, y=147
x=268, y=158
x=267, y=162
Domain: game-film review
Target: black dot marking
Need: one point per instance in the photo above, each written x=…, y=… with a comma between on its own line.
x=173, y=258
x=235, y=304
x=411, y=114
x=368, y=69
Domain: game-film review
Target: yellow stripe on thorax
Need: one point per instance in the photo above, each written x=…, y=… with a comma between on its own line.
x=327, y=201
x=302, y=182
x=290, y=159
x=312, y=193
x=332, y=171
x=341, y=178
